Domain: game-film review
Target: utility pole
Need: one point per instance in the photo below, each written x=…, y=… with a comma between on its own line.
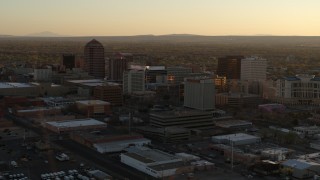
x=130, y=118
x=231, y=155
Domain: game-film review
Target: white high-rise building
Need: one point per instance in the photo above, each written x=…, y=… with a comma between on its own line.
x=43, y=74
x=133, y=80
x=253, y=68
x=199, y=93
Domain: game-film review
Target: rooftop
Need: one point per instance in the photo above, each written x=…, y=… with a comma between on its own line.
x=147, y=155
x=180, y=113
x=119, y=142
x=76, y=123
x=232, y=123
x=38, y=109
x=93, y=102
x=236, y=137
x=307, y=128
x=299, y=164
x=4, y=85
x=238, y=95
x=87, y=81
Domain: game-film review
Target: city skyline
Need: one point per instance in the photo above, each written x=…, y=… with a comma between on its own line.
x=140, y=17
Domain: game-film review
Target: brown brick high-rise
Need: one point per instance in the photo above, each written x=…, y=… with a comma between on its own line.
x=230, y=66
x=94, y=59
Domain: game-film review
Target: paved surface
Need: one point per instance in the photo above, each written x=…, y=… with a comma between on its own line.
x=112, y=165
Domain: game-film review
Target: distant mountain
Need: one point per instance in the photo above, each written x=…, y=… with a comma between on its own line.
x=180, y=35
x=45, y=34
x=4, y=35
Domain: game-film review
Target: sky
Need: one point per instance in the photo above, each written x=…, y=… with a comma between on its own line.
x=158, y=17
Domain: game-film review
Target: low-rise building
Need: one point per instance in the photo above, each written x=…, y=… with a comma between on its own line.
x=236, y=139
x=233, y=124
x=269, y=108
x=301, y=168
x=38, y=112
x=276, y=154
x=120, y=145
x=107, y=142
x=75, y=125
x=307, y=131
x=154, y=162
x=94, y=108
x=58, y=101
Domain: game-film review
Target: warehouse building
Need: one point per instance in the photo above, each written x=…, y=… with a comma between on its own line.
x=236, y=139
x=120, y=145
x=155, y=162
x=75, y=125
x=106, y=141
x=301, y=168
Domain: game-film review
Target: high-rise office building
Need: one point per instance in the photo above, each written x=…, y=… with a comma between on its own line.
x=133, y=80
x=230, y=66
x=94, y=59
x=68, y=61
x=199, y=93
x=118, y=64
x=176, y=75
x=253, y=68
x=156, y=74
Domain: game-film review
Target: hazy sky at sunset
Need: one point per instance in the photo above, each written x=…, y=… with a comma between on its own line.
x=137, y=17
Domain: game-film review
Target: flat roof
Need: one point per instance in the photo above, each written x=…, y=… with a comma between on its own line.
x=277, y=151
x=307, y=128
x=80, y=81
x=179, y=113
x=76, y=123
x=150, y=155
x=93, y=102
x=4, y=85
x=238, y=95
x=118, y=142
x=236, y=137
x=232, y=123
x=299, y=163
x=38, y=109
x=93, y=84
x=165, y=166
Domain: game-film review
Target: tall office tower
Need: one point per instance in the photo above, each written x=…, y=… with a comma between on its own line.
x=118, y=64
x=199, y=93
x=43, y=74
x=176, y=75
x=133, y=80
x=156, y=74
x=94, y=59
x=253, y=68
x=220, y=84
x=230, y=66
x=68, y=61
